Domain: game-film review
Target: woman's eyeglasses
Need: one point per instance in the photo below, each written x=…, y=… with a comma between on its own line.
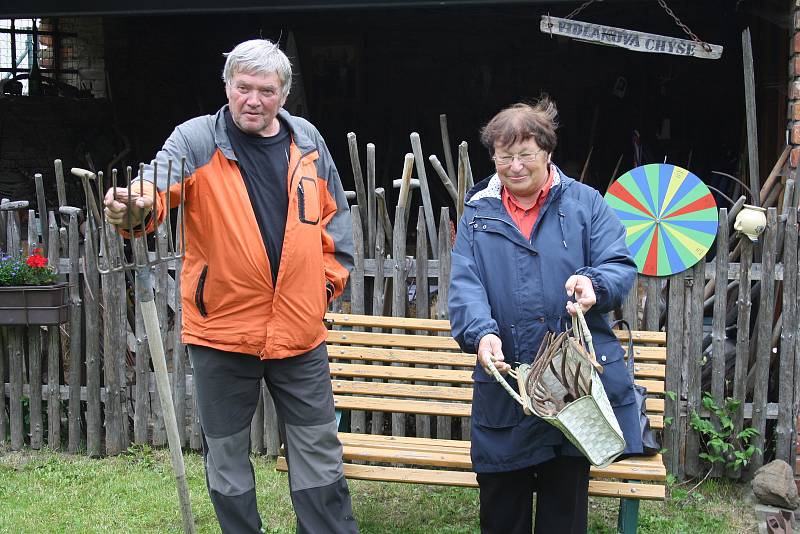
x=525, y=157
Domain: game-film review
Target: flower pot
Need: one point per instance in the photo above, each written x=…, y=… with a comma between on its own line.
x=40, y=305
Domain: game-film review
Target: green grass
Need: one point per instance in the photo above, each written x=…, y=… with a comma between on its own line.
x=135, y=492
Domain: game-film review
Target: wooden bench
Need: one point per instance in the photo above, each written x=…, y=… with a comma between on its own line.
x=373, y=371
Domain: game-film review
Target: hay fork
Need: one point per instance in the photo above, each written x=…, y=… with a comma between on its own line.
x=141, y=265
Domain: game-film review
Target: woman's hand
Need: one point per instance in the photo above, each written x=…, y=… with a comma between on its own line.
x=490, y=348
x=580, y=286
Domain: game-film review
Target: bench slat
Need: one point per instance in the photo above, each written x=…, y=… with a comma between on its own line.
x=408, y=457
x=413, y=391
x=403, y=442
x=597, y=488
x=377, y=354
x=345, y=402
x=643, y=336
x=649, y=370
x=406, y=323
x=438, y=325
x=634, y=469
x=656, y=421
x=452, y=409
x=440, y=393
x=462, y=447
x=455, y=359
x=423, y=374
x=346, y=337
x=653, y=386
x=412, y=341
x=654, y=405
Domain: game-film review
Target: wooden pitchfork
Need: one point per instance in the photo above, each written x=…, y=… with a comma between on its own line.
x=141, y=266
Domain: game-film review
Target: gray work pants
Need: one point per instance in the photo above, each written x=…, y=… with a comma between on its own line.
x=227, y=386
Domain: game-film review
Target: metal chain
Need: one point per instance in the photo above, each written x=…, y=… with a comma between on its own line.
x=680, y=24
x=664, y=5
x=579, y=9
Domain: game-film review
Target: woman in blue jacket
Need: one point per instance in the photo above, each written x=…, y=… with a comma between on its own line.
x=531, y=238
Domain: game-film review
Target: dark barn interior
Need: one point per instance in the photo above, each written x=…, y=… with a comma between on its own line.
x=386, y=72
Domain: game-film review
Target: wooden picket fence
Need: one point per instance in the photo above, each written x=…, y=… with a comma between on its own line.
x=87, y=386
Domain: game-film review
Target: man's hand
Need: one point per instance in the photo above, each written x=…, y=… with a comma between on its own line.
x=119, y=207
x=490, y=347
x=580, y=286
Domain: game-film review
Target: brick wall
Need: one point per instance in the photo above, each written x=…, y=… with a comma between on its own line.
x=794, y=89
x=84, y=52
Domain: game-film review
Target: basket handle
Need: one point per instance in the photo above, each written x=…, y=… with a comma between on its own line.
x=582, y=331
x=496, y=374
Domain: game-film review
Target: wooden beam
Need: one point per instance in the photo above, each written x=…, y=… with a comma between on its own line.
x=750, y=113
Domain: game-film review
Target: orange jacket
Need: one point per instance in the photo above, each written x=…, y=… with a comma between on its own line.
x=229, y=302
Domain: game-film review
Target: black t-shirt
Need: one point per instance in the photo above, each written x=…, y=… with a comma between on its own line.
x=264, y=164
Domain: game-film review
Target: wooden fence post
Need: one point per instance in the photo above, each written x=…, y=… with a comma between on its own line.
x=142, y=409
x=113, y=300
x=75, y=329
x=34, y=349
x=720, y=312
x=423, y=422
x=443, y=424
x=694, y=361
x=372, y=213
x=15, y=375
x=652, y=305
x=399, y=296
x=630, y=306
x=674, y=425
x=15, y=348
x=742, y=330
x=358, y=418
x=430, y=220
x=358, y=180
x=766, y=309
x=91, y=308
x=53, y=355
x=179, y=355
x=785, y=429
x=4, y=354
x=377, y=309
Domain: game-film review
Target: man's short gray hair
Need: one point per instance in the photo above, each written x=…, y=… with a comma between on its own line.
x=259, y=56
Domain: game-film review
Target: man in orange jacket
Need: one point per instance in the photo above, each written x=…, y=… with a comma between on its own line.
x=268, y=245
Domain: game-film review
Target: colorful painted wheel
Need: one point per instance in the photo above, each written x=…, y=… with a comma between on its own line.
x=669, y=214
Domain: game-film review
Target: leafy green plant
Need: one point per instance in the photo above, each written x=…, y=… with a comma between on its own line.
x=723, y=445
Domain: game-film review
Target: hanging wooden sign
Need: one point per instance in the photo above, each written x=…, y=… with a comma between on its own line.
x=630, y=39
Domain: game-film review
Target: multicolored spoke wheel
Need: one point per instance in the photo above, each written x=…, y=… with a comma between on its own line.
x=669, y=214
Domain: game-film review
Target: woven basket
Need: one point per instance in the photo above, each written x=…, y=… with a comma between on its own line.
x=581, y=409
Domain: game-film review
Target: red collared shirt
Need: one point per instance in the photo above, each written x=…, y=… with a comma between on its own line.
x=526, y=218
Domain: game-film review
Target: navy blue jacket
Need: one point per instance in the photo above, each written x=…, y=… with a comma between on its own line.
x=506, y=285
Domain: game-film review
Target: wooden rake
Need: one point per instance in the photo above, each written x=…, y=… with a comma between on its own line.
x=143, y=262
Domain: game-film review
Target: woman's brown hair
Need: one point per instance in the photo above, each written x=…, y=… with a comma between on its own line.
x=521, y=122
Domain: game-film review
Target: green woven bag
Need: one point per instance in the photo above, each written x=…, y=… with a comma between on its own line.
x=563, y=387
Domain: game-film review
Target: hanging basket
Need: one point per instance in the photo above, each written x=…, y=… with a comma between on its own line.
x=33, y=305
